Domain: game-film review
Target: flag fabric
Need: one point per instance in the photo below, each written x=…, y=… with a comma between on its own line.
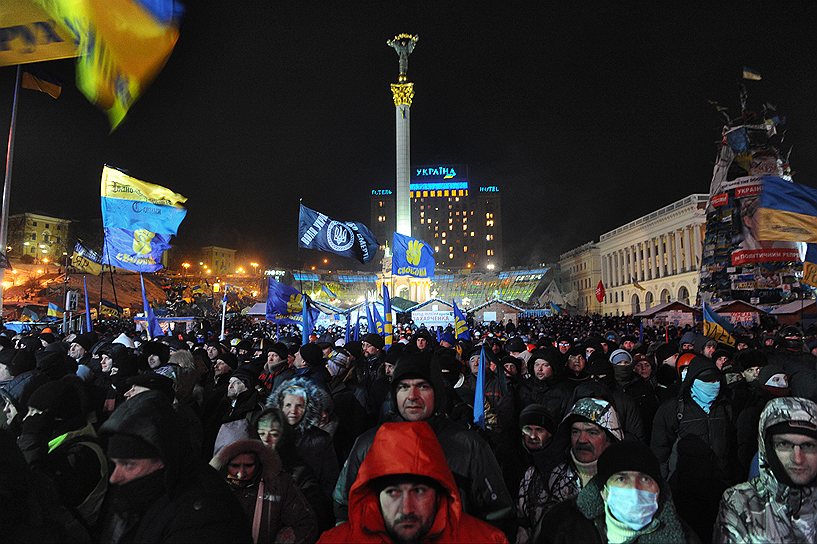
x=787, y=211
x=347, y=337
x=344, y=238
x=717, y=327
x=370, y=323
x=635, y=284
x=388, y=327
x=411, y=257
x=54, y=311
x=31, y=35
x=81, y=249
x=89, y=325
x=378, y=320
x=479, y=391
x=439, y=334
x=460, y=324
x=810, y=266
x=153, y=328
x=307, y=323
x=86, y=260
x=641, y=332
x=751, y=74
x=139, y=218
x=325, y=288
x=27, y=314
x=555, y=307
x=37, y=80
x=123, y=44
x=285, y=304
x=356, y=335
x=600, y=291
x=4, y=262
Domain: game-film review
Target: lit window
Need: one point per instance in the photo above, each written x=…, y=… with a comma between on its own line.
x=425, y=193
x=436, y=249
x=472, y=233
x=457, y=199
x=443, y=235
x=446, y=193
x=465, y=249
x=443, y=240
x=380, y=203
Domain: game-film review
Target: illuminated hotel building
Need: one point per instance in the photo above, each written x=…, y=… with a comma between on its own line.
x=460, y=219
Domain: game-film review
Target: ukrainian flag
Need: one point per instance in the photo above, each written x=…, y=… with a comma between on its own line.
x=54, y=310
x=810, y=266
x=717, y=327
x=787, y=212
x=388, y=328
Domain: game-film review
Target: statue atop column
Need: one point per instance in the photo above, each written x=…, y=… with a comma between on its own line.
x=403, y=44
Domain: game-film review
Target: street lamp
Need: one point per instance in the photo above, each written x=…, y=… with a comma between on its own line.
x=254, y=266
x=186, y=266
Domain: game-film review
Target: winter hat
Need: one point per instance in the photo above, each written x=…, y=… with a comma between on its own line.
x=537, y=414
x=84, y=340
x=229, y=359
x=596, y=411
x=516, y=344
x=280, y=349
x=312, y=354
x=153, y=381
x=125, y=340
x=17, y=360
x=247, y=375
x=448, y=337
x=61, y=399
x=48, y=337
x=630, y=455
x=749, y=358
x=687, y=338
x=125, y=446
x=412, y=366
x=621, y=357
x=156, y=348
x=374, y=339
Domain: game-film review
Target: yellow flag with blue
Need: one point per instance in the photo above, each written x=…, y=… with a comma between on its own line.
x=717, y=327
x=123, y=44
x=787, y=211
x=388, y=327
x=810, y=266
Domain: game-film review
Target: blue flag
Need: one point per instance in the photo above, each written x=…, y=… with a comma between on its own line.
x=89, y=325
x=84, y=251
x=152, y=324
x=344, y=238
x=306, y=320
x=460, y=326
x=328, y=291
x=378, y=320
x=717, y=327
x=285, y=304
x=370, y=323
x=479, y=391
x=356, y=336
x=439, y=334
x=388, y=327
x=411, y=257
x=347, y=337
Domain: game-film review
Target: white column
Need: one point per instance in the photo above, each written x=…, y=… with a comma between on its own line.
x=614, y=256
x=640, y=248
x=697, y=245
x=661, y=270
x=650, y=259
x=403, y=144
x=690, y=249
x=678, y=261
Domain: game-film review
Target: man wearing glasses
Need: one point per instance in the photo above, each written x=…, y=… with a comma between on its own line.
x=779, y=505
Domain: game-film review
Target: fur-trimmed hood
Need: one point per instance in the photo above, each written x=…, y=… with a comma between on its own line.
x=317, y=400
x=270, y=462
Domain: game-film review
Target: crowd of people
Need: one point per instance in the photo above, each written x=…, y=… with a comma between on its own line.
x=589, y=429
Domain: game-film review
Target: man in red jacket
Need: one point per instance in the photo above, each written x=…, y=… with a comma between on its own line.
x=405, y=492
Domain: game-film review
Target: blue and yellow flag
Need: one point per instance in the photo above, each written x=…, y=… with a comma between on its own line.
x=810, y=266
x=460, y=325
x=479, y=391
x=139, y=219
x=378, y=320
x=370, y=322
x=388, y=327
x=123, y=44
x=54, y=310
x=325, y=288
x=89, y=325
x=29, y=34
x=411, y=257
x=717, y=327
x=787, y=212
x=285, y=304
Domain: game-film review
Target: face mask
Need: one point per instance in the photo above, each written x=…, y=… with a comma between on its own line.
x=705, y=393
x=632, y=507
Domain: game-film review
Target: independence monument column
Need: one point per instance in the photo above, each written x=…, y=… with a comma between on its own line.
x=403, y=93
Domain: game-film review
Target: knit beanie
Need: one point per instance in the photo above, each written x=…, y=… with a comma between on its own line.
x=537, y=414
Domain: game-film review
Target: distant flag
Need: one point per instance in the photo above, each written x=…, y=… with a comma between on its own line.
x=54, y=310
x=356, y=335
x=411, y=257
x=635, y=284
x=751, y=74
x=36, y=80
x=306, y=320
x=388, y=326
x=347, y=337
x=555, y=307
x=479, y=391
x=345, y=238
x=378, y=320
x=89, y=325
x=600, y=291
x=325, y=288
x=285, y=304
x=123, y=44
x=152, y=324
x=370, y=323
x=810, y=266
x=717, y=327
x=641, y=332
x=439, y=334
x=460, y=324
x=787, y=211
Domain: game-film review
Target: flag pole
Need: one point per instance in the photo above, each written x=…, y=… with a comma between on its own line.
x=4, y=222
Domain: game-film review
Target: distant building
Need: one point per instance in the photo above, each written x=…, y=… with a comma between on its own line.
x=460, y=219
x=36, y=236
x=221, y=260
x=650, y=260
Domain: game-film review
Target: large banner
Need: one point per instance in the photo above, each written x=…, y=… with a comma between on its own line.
x=139, y=218
x=29, y=34
x=411, y=257
x=345, y=238
x=285, y=304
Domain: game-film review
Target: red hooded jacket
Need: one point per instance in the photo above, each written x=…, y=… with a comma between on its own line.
x=408, y=448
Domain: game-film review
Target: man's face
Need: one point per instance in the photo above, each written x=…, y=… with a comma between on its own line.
x=235, y=387
x=10, y=412
x=741, y=346
x=269, y=432
x=135, y=390
x=587, y=441
x=628, y=345
x=5, y=375
x=408, y=511
x=273, y=358
x=388, y=368
x=368, y=349
x=687, y=347
x=293, y=407
x=421, y=343
x=798, y=455
x=542, y=369
x=631, y=479
x=576, y=363
x=643, y=369
x=106, y=362
x=473, y=364
x=510, y=369
x=709, y=351
x=563, y=347
x=241, y=469
x=299, y=361
x=128, y=470
x=751, y=374
x=415, y=399
x=535, y=437
x=154, y=361
x=721, y=361
x=768, y=342
x=212, y=352
x=221, y=368
x=76, y=351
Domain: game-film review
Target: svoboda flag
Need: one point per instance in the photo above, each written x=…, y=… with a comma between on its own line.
x=29, y=34
x=139, y=218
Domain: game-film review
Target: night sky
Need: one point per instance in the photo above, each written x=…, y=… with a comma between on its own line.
x=586, y=118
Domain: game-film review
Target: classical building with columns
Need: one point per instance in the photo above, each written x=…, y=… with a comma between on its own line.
x=648, y=261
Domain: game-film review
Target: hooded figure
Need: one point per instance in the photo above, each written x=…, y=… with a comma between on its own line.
x=400, y=451
x=695, y=441
x=773, y=507
x=267, y=494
